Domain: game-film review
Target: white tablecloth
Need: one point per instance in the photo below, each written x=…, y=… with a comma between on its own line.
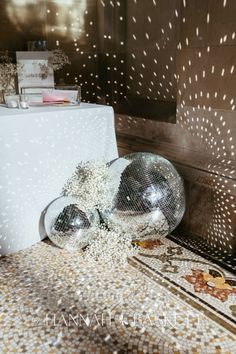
x=39, y=150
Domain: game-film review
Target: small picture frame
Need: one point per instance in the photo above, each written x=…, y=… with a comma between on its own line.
x=36, y=71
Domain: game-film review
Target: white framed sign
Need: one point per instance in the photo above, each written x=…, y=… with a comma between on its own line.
x=36, y=71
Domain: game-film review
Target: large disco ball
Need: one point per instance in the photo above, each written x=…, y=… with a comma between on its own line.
x=148, y=198
x=68, y=224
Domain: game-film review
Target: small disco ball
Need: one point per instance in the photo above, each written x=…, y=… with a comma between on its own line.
x=68, y=225
x=148, y=198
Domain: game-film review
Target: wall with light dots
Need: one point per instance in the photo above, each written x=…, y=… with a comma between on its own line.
x=202, y=142
x=70, y=25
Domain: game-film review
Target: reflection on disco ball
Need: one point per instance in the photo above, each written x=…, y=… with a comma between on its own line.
x=149, y=196
x=68, y=225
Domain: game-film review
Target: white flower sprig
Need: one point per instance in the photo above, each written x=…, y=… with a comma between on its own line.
x=110, y=247
x=91, y=184
x=8, y=72
x=57, y=60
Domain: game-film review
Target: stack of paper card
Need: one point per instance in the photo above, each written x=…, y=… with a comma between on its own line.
x=60, y=96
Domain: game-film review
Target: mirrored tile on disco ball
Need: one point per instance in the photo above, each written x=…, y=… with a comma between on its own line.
x=68, y=224
x=149, y=197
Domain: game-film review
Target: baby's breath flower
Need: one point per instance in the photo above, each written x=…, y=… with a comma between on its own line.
x=58, y=59
x=91, y=185
x=8, y=72
x=110, y=247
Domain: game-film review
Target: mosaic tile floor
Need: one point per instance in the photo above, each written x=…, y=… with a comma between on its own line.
x=224, y=259
x=167, y=300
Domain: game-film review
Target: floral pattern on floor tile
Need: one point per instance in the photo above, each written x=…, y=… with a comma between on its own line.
x=195, y=275
x=148, y=244
x=206, y=283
